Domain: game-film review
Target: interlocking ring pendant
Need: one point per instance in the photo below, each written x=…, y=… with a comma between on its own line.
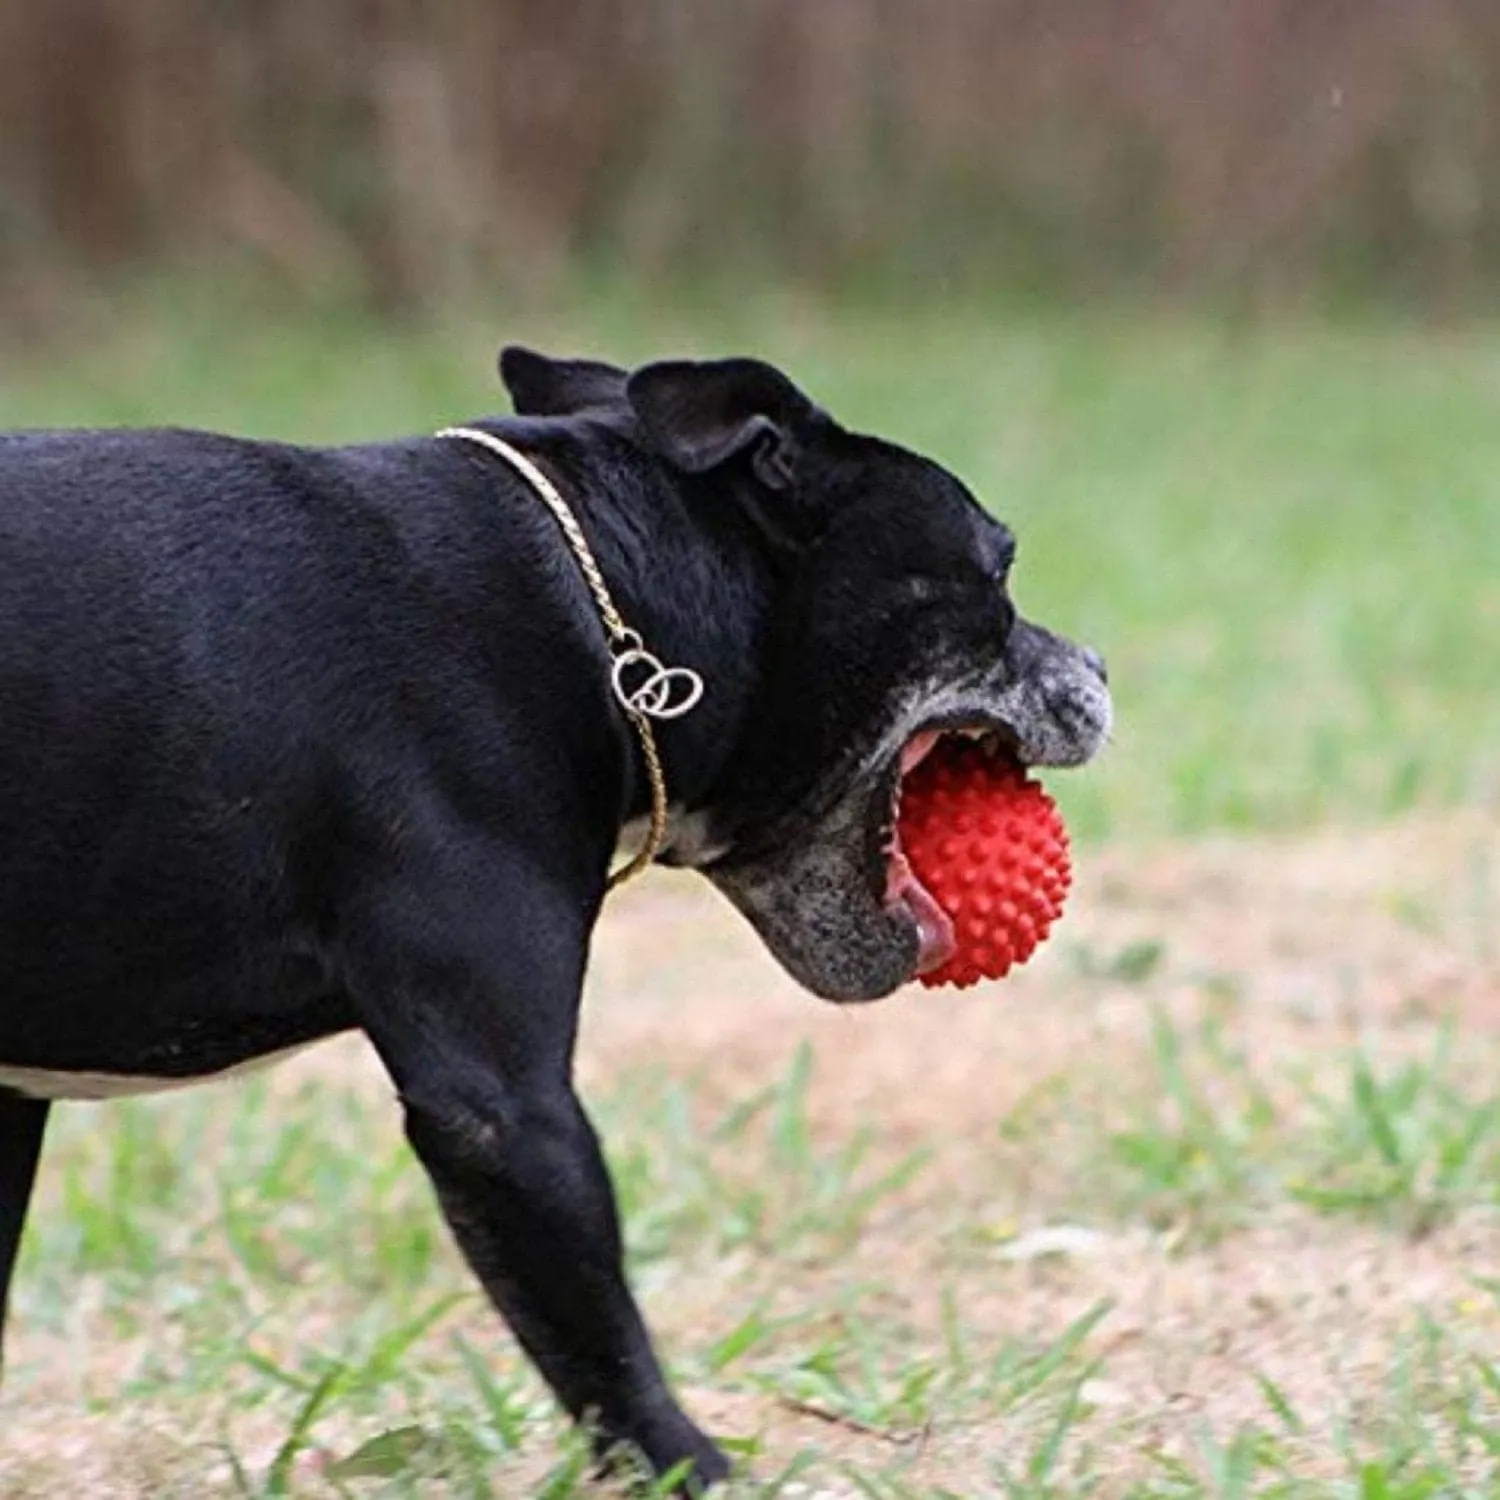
x=644, y=684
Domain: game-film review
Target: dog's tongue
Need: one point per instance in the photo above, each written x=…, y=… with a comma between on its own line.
x=934, y=928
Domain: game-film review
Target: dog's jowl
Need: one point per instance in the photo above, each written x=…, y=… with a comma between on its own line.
x=298, y=740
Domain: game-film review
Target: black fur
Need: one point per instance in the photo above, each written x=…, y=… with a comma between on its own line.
x=296, y=740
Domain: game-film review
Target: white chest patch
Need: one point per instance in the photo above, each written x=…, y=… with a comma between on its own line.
x=687, y=838
x=49, y=1083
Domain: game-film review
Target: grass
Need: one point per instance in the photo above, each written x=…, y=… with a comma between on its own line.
x=1282, y=540
x=1163, y=1226
x=330, y=1346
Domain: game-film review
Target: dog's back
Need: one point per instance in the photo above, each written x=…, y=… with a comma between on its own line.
x=214, y=655
x=152, y=589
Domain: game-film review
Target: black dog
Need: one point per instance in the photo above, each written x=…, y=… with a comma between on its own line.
x=297, y=740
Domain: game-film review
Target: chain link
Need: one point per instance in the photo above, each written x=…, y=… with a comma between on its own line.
x=654, y=697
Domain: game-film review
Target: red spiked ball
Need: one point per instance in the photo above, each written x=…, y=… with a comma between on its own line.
x=990, y=846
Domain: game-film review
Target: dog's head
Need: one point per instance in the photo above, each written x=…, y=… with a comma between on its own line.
x=892, y=625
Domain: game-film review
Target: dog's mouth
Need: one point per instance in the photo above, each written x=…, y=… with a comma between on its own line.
x=827, y=882
x=902, y=895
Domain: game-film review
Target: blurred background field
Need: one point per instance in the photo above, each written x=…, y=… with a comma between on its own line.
x=1200, y=297
x=1258, y=149
x=1197, y=295
x=1285, y=537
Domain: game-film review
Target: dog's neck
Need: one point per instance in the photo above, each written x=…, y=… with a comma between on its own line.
x=688, y=572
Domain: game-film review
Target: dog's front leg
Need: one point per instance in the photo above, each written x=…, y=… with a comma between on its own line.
x=472, y=1002
x=22, y=1124
x=533, y=1211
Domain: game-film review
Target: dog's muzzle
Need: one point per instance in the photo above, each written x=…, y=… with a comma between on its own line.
x=821, y=894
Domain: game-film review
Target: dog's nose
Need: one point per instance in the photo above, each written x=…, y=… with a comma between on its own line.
x=1096, y=661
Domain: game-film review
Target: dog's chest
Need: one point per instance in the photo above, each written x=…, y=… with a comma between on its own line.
x=689, y=841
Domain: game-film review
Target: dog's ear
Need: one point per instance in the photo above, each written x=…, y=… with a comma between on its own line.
x=699, y=415
x=544, y=387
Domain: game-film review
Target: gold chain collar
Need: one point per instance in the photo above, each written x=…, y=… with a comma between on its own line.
x=644, y=688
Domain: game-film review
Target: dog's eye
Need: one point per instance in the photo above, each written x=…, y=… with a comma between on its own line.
x=999, y=562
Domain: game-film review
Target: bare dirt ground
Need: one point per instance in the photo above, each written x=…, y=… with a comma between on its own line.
x=1305, y=948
